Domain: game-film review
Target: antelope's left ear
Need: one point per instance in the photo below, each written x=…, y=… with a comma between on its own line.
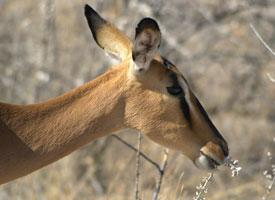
x=107, y=36
x=146, y=45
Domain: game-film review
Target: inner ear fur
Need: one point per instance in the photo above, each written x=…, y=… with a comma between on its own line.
x=146, y=44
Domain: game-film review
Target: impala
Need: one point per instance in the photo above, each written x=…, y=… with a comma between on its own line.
x=145, y=92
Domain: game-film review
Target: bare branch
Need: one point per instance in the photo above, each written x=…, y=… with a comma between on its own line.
x=161, y=168
x=261, y=39
x=266, y=46
x=141, y=153
x=137, y=167
x=162, y=171
x=180, y=187
x=270, y=78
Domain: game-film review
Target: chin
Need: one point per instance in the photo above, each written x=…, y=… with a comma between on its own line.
x=205, y=162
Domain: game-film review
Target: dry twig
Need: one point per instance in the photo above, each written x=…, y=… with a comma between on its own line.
x=261, y=39
x=162, y=171
x=202, y=188
x=137, y=167
x=161, y=168
x=266, y=46
x=270, y=78
x=180, y=187
x=155, y=164
x=270, y=177
x=269, y=189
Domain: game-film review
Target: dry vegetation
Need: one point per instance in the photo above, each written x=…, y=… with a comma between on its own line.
x=46, y=49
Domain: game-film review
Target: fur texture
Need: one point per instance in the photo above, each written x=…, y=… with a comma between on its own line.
x=32, y=136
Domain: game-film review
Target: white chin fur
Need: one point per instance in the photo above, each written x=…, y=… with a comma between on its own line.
x=202, y=162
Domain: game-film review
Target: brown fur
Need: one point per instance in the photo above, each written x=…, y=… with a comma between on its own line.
x=33, y=136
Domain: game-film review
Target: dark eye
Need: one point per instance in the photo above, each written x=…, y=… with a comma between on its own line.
x=174, y=90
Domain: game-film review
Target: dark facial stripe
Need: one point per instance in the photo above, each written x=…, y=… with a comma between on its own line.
x=173, y=90
x=185, y=109
x=213, y=128
x=176, y=90
x=167, y=63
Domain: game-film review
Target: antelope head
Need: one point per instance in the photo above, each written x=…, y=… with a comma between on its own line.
x=158, y=100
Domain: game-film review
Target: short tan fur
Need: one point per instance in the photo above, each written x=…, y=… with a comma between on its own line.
x=144, y=92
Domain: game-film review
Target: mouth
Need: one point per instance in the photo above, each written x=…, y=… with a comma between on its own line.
x=207, y=162
x=211, y=156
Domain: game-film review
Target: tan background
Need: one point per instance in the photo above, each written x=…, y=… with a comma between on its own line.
x=46, y=49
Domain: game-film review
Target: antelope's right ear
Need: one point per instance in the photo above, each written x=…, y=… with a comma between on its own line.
x=146, y=45
x=107, y=36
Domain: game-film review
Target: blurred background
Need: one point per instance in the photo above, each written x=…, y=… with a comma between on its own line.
x=46, y=49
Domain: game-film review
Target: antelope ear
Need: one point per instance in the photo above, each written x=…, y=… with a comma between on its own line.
x=107, y=36
x=147, y=42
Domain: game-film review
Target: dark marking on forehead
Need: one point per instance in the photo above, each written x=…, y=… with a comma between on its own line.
x=167, y=63
x=213, y=128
